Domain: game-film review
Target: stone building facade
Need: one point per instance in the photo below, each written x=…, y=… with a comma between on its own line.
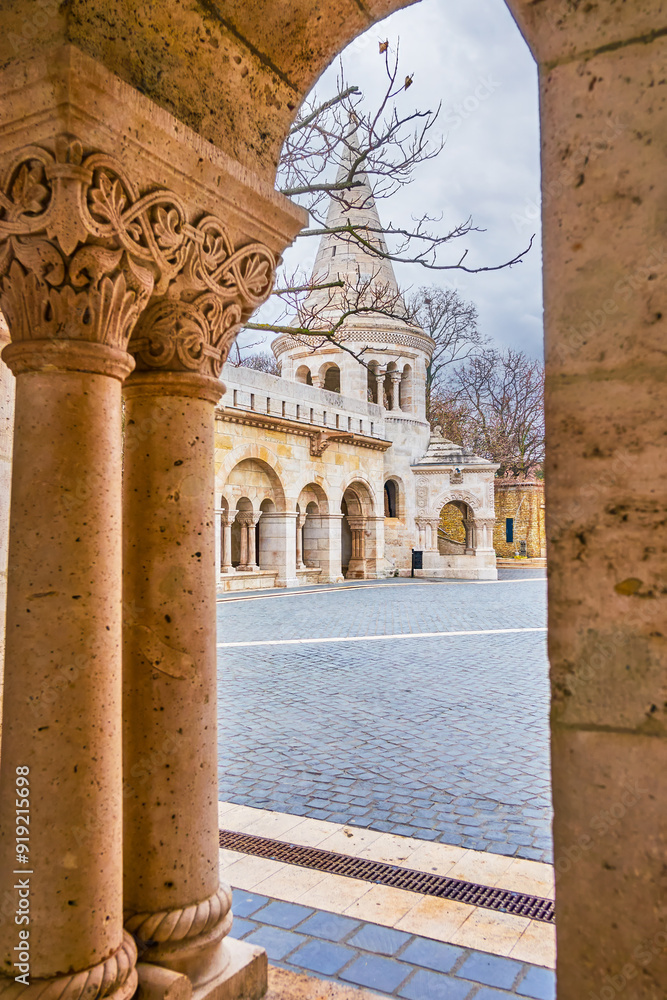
x=520, y=529
x=331, y=470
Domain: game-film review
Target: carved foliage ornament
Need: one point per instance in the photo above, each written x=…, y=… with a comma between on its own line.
x=84, y=255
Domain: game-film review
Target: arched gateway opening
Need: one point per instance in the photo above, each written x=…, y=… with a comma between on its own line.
x=455, y=529
x=357, y=555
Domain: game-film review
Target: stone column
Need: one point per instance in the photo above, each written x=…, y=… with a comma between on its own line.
x=471, y=541
x=70, y=304
x=394, y=398
x=433, y=524
x=483, y=530
x=605, y=265
x=243, y=520
x=420, y=523
x=7, y=393
x=175, y=905
x=379, y=386
x=217, y=548
x=228, y=518
x=247, y=558
x=252, y=541
x=356, y=569
x=300, y=522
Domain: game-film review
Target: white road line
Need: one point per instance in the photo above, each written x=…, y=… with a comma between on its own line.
x=384, y=586
x=376, y=638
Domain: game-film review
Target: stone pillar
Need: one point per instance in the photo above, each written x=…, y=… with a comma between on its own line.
x=217, y=548
x=7, y=393
x=471, y=541
x=243, y=519
x=175, y=905
x=228, y=517
x=433, y=523
x=420, y=523
x=605, y=265
x=324, y=530
x=374, y=545
x=356, y=569
x=253, y=555
x=483, y=532
x=379, y=386
x=70, y=305
x=300, y=522
x=394, y=397
x=279, y=534
x=247, y=558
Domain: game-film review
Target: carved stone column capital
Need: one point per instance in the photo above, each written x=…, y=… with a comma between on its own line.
x=485, y=522
x=247, y=517
x=90, y=254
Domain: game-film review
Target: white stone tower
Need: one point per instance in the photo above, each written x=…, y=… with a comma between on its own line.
x=395, y=352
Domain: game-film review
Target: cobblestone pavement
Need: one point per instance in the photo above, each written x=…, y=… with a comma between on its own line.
x=383, y=959
x=442, y=738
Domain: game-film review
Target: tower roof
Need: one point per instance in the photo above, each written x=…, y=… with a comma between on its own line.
x=341, y=256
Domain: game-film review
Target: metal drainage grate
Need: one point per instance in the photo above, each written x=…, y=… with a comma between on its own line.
x=502, y=900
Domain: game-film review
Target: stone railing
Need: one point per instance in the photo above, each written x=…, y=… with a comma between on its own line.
x=262, y=393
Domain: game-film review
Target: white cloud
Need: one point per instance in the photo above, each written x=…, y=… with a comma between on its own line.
x=471, y=58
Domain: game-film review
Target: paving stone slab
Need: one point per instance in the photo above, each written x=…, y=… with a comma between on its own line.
x=322, y=956
x=460, y=772
x=377, y=973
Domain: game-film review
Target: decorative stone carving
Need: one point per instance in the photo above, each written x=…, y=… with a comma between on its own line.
x=463, y=496
x=182, y=923
x=83, y=252
x=320, y=441
x=116, y=975
x=421, y=492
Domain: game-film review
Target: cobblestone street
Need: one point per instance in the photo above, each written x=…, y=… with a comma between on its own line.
x=438, y=737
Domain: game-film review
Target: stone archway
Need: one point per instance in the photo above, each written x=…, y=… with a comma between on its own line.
x=605, y=331
x=454, y=530
x=357, y=508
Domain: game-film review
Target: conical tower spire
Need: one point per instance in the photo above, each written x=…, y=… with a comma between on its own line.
x=341, y=256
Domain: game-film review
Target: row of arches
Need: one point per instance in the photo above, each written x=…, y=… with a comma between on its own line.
x=260, y=530
x=327, y=376
x=390, y=385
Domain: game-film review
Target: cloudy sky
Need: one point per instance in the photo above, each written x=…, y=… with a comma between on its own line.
x=470, y=57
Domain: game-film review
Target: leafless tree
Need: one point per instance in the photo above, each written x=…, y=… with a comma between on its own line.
x=333, y=145
x=494, y=404
x=452, y=323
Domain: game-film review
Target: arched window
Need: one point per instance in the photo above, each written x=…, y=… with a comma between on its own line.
x=332, y=379
x=390, y=499
x=302, y=374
